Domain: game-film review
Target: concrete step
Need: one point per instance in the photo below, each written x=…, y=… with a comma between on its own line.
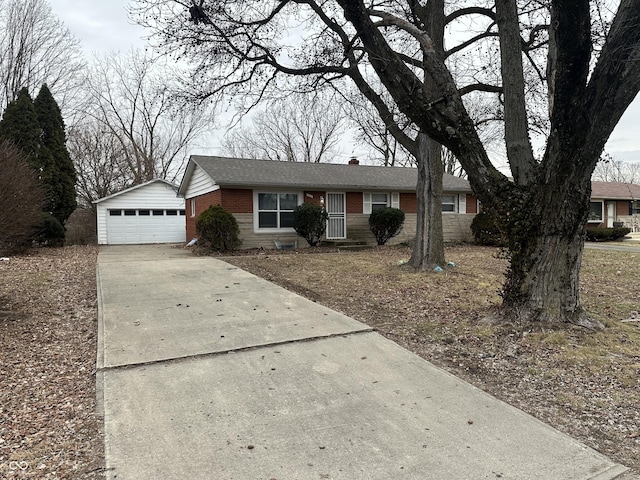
x=348, y=244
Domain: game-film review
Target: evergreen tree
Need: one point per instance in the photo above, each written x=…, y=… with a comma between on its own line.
x=58, y=172
x=19, y=126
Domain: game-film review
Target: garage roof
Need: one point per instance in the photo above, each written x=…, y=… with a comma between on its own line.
x=135, y=187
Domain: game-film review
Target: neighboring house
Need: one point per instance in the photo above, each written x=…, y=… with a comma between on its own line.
x=147, y=213
x=615, y=203
x=262, y=195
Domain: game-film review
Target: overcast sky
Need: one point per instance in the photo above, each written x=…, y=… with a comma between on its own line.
x=102, y=26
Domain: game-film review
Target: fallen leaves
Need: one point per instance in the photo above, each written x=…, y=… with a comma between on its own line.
x=48, y=423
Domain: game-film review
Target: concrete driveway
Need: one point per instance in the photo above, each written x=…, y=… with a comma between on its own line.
x=208, y=372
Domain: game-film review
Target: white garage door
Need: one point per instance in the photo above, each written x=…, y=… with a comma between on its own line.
x=130, y=226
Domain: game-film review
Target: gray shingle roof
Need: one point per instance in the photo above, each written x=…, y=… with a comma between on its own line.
x=235, y=172
x=615, y=190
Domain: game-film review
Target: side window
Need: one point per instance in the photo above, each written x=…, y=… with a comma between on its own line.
x=449, y=203
x=375, y=201
x=379, y=201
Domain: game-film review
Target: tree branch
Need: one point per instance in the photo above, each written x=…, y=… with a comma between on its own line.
x=480, y=87
x=469, y=11
x=446, y=119
x=519, y=151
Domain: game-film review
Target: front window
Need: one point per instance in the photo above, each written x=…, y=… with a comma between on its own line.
x=449, y=203
x=275, y=210
x=379, y=201
x=595, y=212
x=635, y=207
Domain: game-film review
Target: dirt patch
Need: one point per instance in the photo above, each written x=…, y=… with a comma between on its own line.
x=583, y=383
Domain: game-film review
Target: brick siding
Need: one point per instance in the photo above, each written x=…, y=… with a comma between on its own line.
x=354, y=202
x=472, y=204
x=408, y=202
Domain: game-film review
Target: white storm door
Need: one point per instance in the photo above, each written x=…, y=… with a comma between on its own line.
x=611, y=214
x=337, y=223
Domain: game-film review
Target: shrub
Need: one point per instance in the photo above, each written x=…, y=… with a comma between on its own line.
x=50, y=232
x=386, y=223
x=606, y=234
x=218, y=229
x=21, y=200
x=310, y=222
x=485, y=229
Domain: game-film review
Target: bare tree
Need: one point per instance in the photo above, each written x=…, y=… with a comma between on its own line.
x=131, y=98
x=374, y=133
x=248, y=46
x=298, y=128
x=100, y=162
x=610, y=170
x=35, y=49
x=22, y=198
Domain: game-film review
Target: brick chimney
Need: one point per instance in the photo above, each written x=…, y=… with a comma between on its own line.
x=354, y=161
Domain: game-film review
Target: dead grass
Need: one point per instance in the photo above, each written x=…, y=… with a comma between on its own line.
x=585, y=384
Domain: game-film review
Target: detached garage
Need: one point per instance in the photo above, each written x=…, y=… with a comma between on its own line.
x=147, y=213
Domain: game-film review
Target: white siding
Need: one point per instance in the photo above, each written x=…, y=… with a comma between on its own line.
x=155, y=195
x=199, y=183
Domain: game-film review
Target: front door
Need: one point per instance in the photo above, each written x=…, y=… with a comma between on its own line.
x=337, y=223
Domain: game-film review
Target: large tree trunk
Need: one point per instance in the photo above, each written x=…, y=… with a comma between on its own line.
x=428, y=248
x=546, y=230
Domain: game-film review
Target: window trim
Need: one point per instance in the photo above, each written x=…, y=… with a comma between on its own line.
x=256, y=210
